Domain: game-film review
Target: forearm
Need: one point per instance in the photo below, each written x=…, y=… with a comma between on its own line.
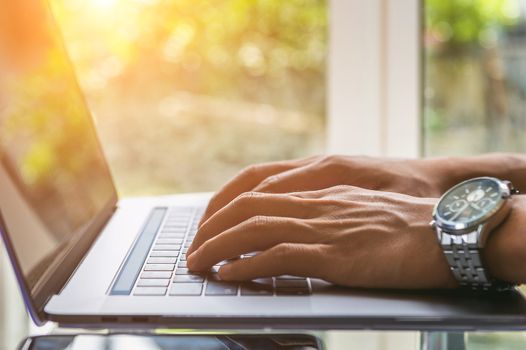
x=449, y=171
x=505, y=253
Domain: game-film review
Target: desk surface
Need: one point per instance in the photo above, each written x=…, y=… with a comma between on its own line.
x=377, y=340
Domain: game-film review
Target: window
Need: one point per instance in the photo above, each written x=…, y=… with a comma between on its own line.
x=475, y=76
x=186, y=93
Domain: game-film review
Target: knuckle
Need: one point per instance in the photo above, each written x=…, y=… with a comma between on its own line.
x=331, y=160
x=283, y=250
x=258, y=221
x=244, y=198
x=344, y=188
x=270, y=180
x=250, y=170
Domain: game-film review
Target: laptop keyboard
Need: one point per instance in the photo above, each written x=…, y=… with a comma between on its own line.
x=164, y=271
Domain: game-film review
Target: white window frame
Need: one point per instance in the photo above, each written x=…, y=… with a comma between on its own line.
x=374, y=84
x=374, y=102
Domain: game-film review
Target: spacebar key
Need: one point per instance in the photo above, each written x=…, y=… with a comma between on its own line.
x=220, y=288
x=132, y=266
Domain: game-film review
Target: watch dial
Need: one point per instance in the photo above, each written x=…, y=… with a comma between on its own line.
x=470, y=201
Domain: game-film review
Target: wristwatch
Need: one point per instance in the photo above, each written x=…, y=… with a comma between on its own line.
x=463, y=220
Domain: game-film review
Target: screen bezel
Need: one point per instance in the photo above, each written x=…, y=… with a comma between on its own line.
x=52, y=283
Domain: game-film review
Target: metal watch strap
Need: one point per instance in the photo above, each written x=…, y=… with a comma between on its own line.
x=464, y=258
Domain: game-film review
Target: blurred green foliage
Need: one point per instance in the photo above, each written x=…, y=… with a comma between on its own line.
x=460, y=24
x=472, y=76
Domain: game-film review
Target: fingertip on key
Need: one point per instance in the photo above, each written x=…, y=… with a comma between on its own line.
x=191, y=260
x=225, y=272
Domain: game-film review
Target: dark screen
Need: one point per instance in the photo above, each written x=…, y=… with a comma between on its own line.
x=168, y=342
x=53, y=176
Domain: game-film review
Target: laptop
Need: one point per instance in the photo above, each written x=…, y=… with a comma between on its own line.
x=85, y=257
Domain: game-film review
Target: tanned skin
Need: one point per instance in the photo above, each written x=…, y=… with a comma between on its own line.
x=353, y=221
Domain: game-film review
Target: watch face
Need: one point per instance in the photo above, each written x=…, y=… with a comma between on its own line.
x=470, y=201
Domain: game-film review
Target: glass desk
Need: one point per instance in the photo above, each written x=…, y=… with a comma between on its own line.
x=365, y=340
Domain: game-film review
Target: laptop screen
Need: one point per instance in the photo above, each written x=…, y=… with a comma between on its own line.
x=53, y=176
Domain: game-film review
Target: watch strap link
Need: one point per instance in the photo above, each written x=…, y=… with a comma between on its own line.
x=464, y=259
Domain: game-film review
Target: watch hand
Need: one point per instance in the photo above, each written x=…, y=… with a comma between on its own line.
x=459, y=212
x=473, y=205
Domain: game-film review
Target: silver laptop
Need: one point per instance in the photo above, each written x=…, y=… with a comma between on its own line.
x=84, y=257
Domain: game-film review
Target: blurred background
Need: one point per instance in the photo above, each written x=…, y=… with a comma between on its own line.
x=186, y=93
x=474, y=76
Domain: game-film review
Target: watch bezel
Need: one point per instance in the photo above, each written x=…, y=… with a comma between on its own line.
x=457, y=228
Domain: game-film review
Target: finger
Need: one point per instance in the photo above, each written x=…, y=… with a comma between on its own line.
x=309, y=177
x=329, y=192
x=306, y=260
x=258, y=233
x=247, y=179
x=251, y=204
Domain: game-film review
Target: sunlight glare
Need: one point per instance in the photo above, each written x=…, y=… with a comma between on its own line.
x=105, y=5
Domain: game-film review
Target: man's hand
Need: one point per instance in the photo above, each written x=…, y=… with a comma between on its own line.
x=344, y=234
x=417, y=177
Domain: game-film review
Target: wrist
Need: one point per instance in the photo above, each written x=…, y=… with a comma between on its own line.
x=449, y=171
x=505, y=252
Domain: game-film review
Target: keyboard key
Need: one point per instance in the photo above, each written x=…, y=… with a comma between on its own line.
x=169, y=241
x=186, y=289
x=260, y=286
x=183, y=257
x=220, y=288
x=154, y=282
x=175, y=231
x=292, y=291
x=165, y=253
x=182, y=271
x=166, y=247
x=180, y=219
x=292, y=284
x=212, y=273
x=161, y=260
x=157, y=274
x=150, y=291
x=290, y=277
x=159, y=267
x=171, y=235
x=181, y=264
x=188, y=279
x=175, y=226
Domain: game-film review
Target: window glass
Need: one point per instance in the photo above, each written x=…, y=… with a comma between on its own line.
x=188, y=92
x=474, y=76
